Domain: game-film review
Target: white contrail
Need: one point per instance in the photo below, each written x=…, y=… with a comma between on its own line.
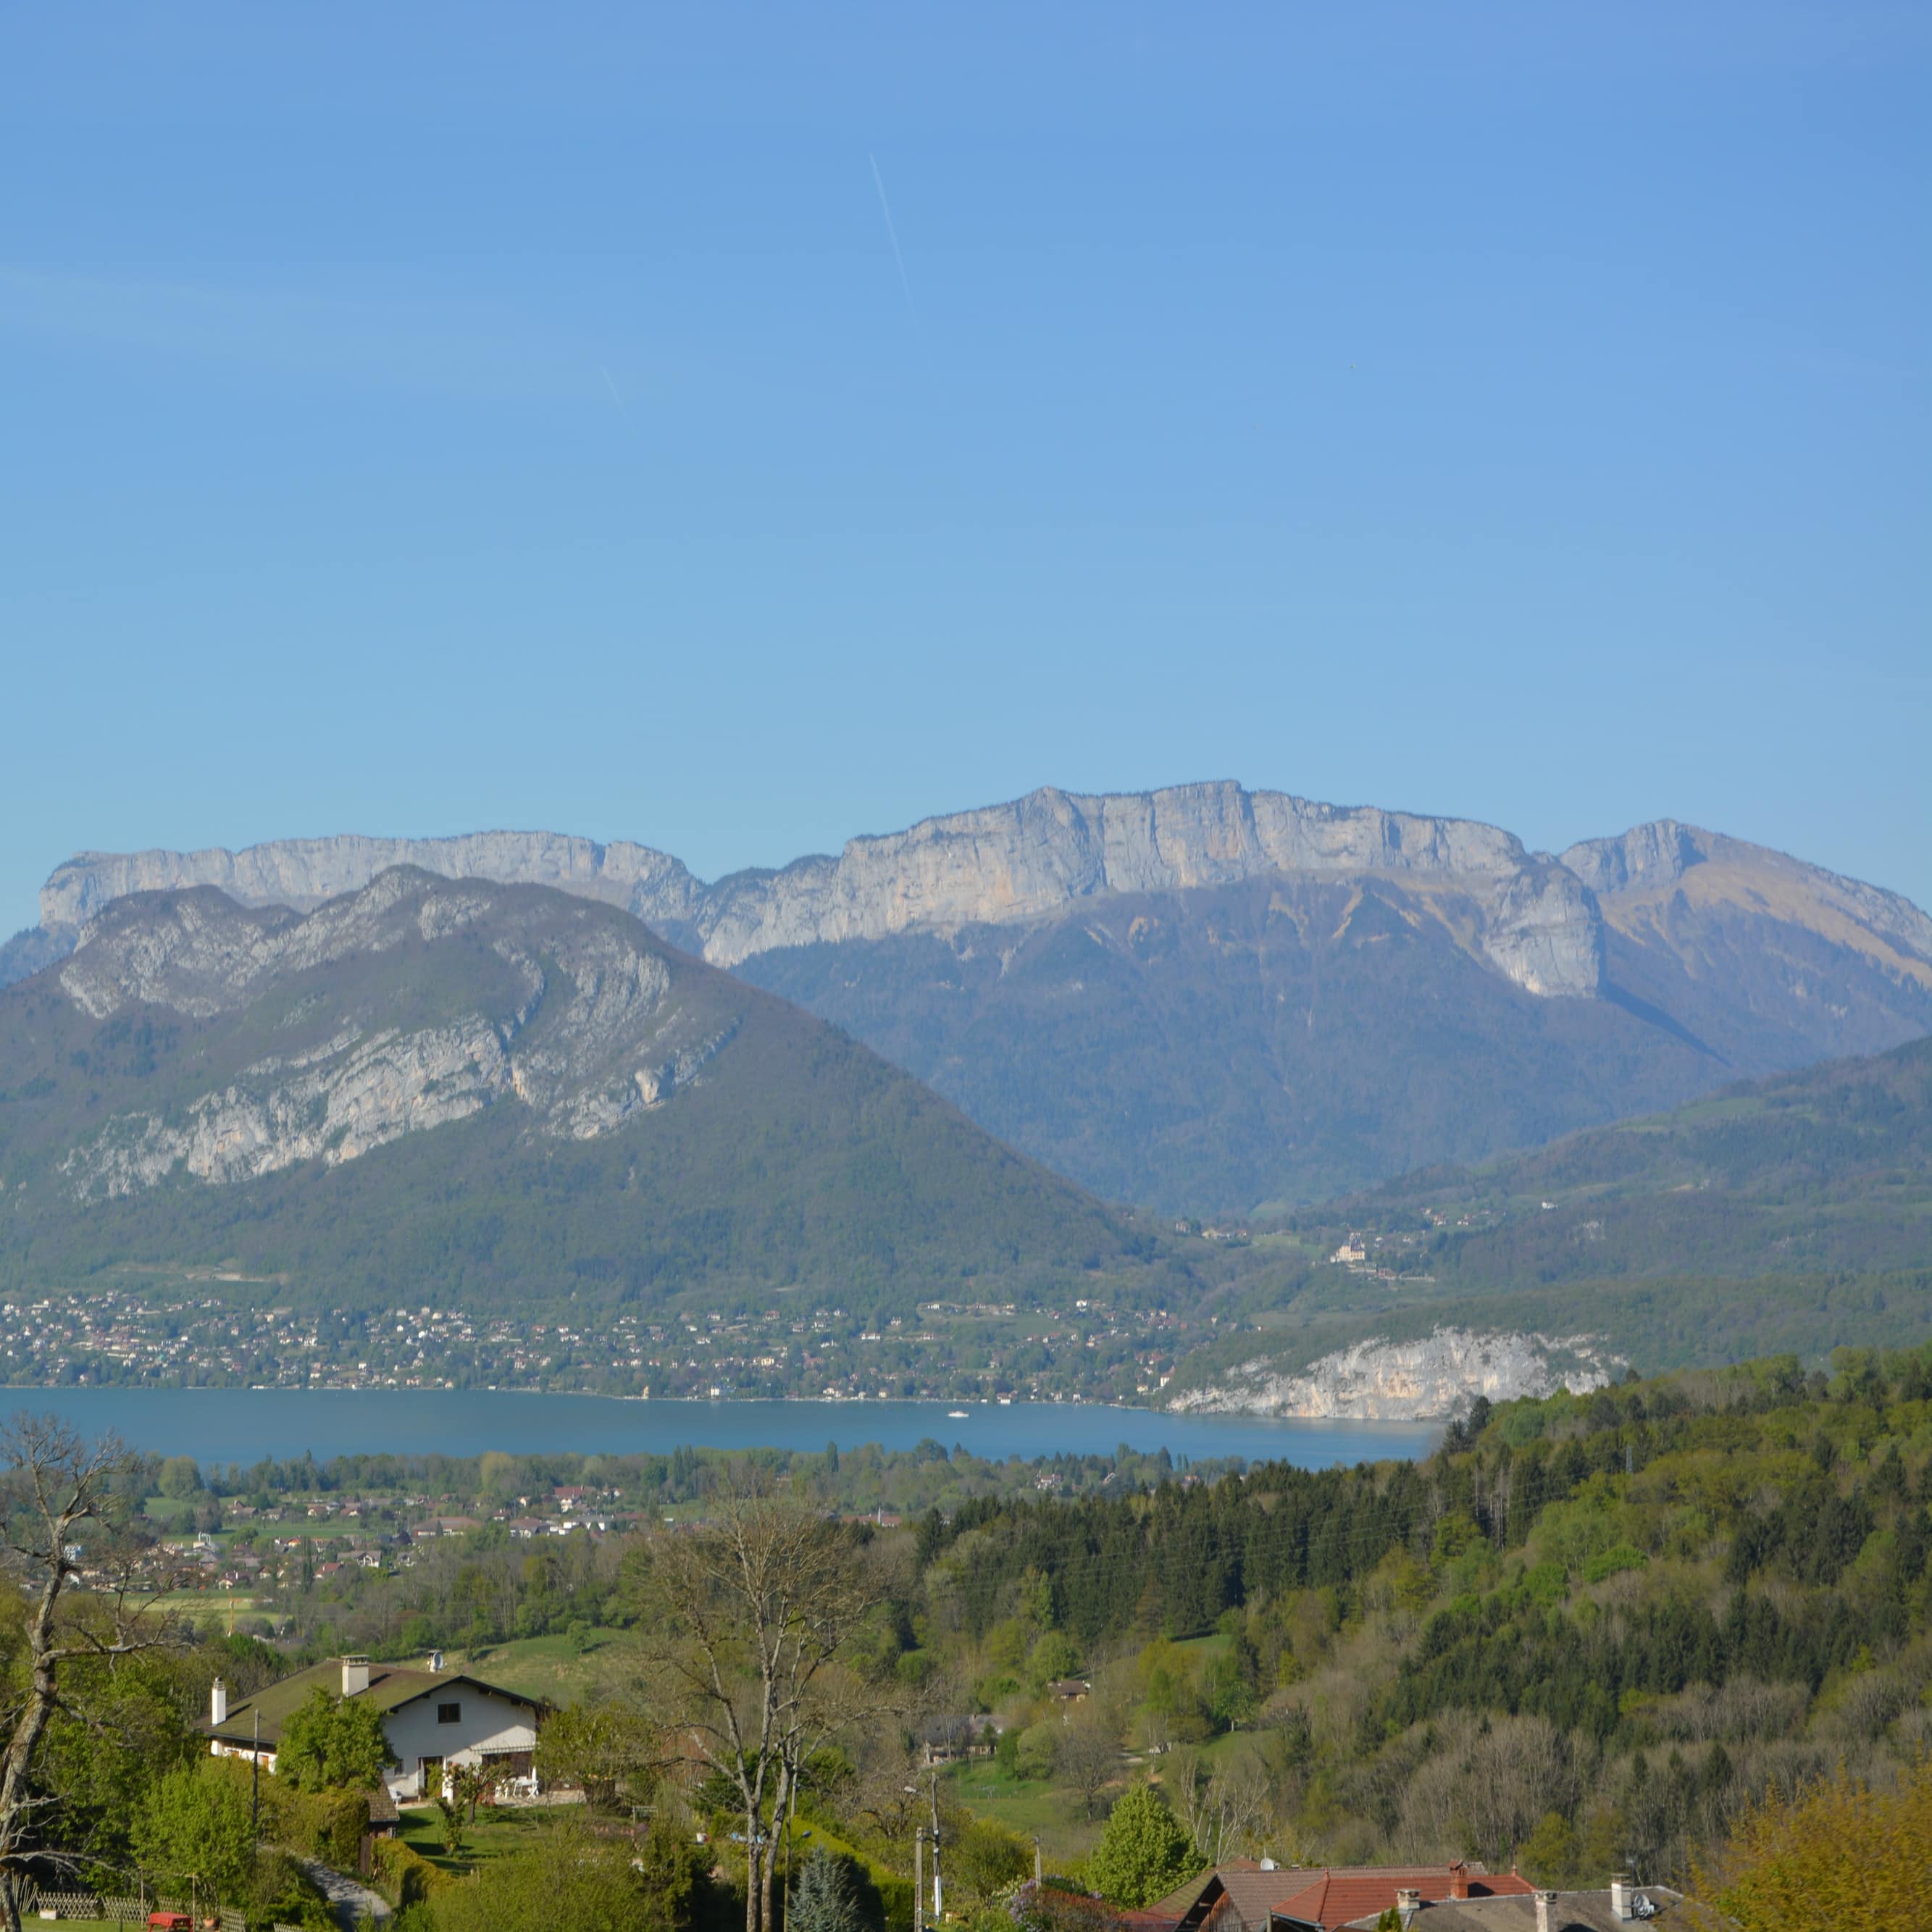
x=892, y=236
x=610, y=383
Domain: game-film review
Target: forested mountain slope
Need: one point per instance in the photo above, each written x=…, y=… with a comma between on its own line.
x=1580, y=1636
x=1794, y=1213
x=1828, y=1168
x=501, y=1095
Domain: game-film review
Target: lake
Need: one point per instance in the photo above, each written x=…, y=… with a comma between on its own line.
x=242, y=1425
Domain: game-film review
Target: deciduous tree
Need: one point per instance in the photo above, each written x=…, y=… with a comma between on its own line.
x=570, y=1878
x=333, y=1744
x=1088, y=1753
x=1838, y=1857
x=608, y=1747
x=752, y=1614
x=194, y=1832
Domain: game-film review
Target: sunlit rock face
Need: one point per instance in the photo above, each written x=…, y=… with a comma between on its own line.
x=1004, y=864
x=411, y=1003
x=1381, y=1380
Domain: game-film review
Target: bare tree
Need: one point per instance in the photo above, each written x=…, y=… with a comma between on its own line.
x=886, y=1790
x=757, y=1606
x=1088, y=1750
x=1223, y=1812
x=1485, y=1786
x=61, y=1516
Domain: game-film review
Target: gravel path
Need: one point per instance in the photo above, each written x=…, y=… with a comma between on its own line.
x=349, y=1896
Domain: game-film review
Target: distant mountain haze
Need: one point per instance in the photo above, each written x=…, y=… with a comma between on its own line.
x=1215, y=999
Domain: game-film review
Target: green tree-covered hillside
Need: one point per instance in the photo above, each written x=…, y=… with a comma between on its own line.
x=499, y=1095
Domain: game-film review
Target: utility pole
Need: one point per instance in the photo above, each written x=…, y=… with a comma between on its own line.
x=918, y=1878
x=255, y=1782
x=1036, y=1862
x=938, y=1891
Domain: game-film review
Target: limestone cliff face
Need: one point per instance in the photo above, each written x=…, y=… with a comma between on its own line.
x=576, y=1017
x=1029, y=859
x=1536, y=924
x=1381, y=1380
x=1538, y=921
x=303, y=872
x=332, y=1106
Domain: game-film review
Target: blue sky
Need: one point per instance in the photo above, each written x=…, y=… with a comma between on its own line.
x=419, y=419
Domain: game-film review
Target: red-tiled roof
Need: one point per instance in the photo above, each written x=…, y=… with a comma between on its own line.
x=1071, y=1910
x=1336, y=1896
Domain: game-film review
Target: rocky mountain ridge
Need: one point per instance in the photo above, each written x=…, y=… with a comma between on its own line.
x=617, y=1037
x=1005, y=864
x=1539, y=919
x=1634, y=876
x=1209, y=999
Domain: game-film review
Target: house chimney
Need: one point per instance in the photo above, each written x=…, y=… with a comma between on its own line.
x=354, y=1675
x=1544, y=1901
x=1620, y=1896
x=1459, y=1879
x=1408, y=1904
x=218, y=1702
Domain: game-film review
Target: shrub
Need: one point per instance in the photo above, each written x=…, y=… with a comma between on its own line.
x=404, y=1875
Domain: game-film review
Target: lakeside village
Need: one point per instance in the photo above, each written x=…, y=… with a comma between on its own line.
x=297, y=1551
x=1086, y=1350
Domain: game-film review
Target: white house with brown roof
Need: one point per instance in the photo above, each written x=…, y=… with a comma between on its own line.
x=430, y=1718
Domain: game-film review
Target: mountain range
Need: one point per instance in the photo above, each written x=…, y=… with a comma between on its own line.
x=1209, y=999
x=504, y=1094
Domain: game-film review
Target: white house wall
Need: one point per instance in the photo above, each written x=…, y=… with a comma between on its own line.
x=488, y=1724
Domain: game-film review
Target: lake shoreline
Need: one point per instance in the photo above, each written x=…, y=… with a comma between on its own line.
x=243, y=1425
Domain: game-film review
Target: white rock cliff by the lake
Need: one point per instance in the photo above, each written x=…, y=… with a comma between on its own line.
x=1378, y=1380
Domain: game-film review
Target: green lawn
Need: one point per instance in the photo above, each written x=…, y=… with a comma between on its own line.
x=495, y=1833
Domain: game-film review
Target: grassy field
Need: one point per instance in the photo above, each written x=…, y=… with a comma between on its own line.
x=1034, y=1807
x=215, y=1610
x=561, y=1670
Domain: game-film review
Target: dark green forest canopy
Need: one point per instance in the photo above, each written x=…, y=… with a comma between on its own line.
x=1713, y=1445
